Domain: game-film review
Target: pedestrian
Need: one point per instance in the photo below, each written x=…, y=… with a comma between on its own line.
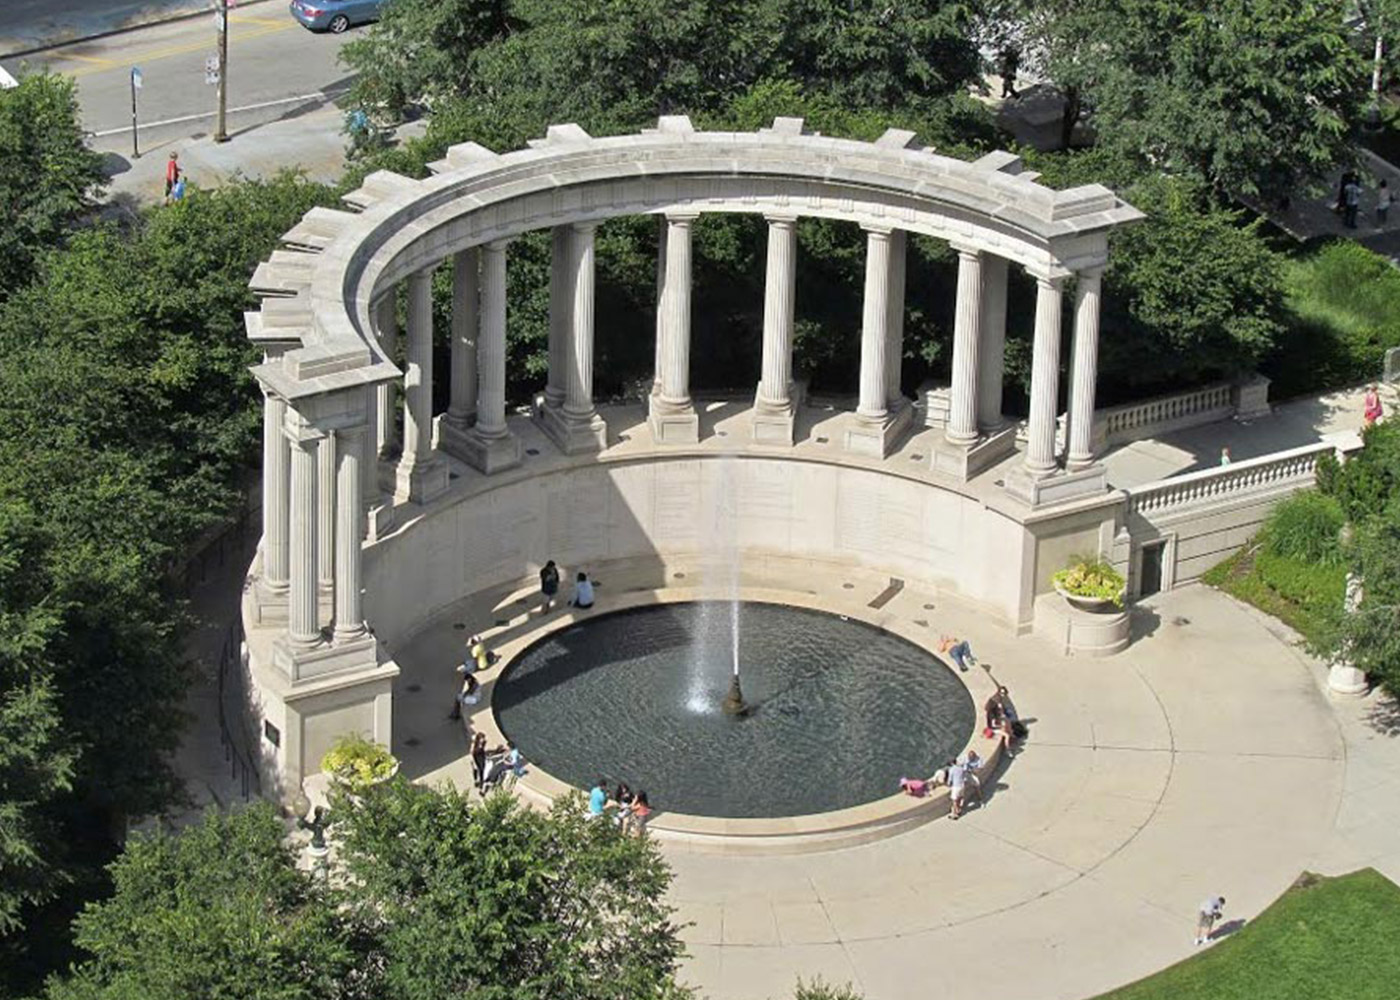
x=639, y=816
x=1384, y=199
x=583, y=592
x=470, y=693
x=478, y=757
x=1348, y=177
x=1010, y=62
x=1225, y=456
x=598, y=799
x=1211, y=911
x=960, y=650
x=172, y=175
x=1372, y=410
x=1351, y=196
x=549, y=584
x=957, y=787
x=971, y=763
x=478, y=656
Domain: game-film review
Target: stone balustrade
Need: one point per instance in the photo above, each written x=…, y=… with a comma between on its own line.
x=1291, y=469
x=1146, y=418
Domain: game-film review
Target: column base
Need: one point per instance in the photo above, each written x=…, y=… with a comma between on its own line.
x=325, y=658
x=878, y=438
x=571, y=434
x=269, y=602
x=492, y=454
x=1042, y=491
x=774, y=423
x=673, y=423
x=1346, y=680
x=966, y=463
x=420, y=481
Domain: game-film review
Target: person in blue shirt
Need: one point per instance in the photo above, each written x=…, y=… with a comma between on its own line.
x=598, y=799
x=583, y=592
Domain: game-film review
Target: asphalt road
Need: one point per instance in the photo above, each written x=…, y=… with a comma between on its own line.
x=27, y=24
x=276, y=69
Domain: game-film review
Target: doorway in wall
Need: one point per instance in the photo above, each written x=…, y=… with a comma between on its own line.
x=1150, y=577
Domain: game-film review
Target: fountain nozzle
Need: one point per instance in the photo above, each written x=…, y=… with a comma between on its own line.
x=733, y=703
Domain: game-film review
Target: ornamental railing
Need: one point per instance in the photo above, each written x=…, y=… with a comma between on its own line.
x=1134, y=420
x=1295, y=468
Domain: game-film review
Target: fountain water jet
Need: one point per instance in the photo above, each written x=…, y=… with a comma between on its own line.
x=721, y=578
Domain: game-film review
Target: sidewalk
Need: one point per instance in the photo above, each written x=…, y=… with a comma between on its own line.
x=27, y=28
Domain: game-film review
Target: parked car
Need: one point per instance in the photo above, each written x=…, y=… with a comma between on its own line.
x=335, y=15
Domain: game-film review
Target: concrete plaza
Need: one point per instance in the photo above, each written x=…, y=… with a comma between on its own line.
x=1205, y=759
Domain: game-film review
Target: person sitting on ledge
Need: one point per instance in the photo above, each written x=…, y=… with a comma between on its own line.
x=583, y=592
x=598, y=799
x=972, y=763
x=1002, y=720
x=958, y=649
x=914, y=787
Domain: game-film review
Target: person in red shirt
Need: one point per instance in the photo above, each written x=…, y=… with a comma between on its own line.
x=172, y=174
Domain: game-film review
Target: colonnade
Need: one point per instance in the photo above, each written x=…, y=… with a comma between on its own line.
x=322, y=478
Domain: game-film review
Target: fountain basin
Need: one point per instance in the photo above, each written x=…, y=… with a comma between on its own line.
x=878, y=811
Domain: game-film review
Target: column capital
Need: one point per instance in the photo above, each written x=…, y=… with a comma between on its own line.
x=683, y=217
x=1051, y=278
x=499, y=245
x=781, y=219
x=584, y=228
x=968, y=249
x=882, y=233
x=1094, y=273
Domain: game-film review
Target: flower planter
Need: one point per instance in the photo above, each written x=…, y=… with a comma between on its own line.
x=1094, y=605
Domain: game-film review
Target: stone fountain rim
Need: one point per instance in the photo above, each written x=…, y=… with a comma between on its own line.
x=831, y=830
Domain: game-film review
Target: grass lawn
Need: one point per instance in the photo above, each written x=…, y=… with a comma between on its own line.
x=1324, y=938
x=1297, y=593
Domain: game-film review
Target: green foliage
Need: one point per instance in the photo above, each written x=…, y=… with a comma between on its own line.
x=358, y=762
x=48, y=177
x=1344, y=305
x=219, y=911
x=502, y=901
x=1306, y=528
x=1303, y=947
x=820, y=989
x=1091, y=577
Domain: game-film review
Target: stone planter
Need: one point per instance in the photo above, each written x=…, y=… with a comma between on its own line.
x=1093, y=605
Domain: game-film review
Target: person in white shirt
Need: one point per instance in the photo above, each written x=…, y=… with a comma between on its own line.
x=583, y=592
x=1211, y=911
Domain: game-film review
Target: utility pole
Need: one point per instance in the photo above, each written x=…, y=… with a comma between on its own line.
x=135, y=86
x=220, y=131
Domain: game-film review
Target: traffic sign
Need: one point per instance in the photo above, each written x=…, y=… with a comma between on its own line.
x=136, y=80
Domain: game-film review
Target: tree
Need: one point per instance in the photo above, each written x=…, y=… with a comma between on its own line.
x=497, y=900
x=219, y=911
x=48, y=177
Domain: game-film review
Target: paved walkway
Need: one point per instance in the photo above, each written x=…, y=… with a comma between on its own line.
x=1291, y=425
x=1204, y=759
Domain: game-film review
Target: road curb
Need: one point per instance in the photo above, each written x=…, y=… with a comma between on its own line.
x=197, y=8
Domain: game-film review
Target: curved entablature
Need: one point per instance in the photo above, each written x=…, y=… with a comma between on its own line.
x=478, y=196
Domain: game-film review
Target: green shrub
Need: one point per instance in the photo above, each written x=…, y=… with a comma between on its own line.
x=1306, y=527
x=1091, y=578
x=358, y=762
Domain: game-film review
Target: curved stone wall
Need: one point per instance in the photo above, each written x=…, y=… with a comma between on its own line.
x=672, y=510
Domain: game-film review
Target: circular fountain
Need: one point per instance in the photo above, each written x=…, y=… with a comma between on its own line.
x=835, y=710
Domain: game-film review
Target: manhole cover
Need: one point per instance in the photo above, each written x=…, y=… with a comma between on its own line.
x=928, y=607
x=679, y=576
x=823, y=440
x=414, y=688
x=848, y=586
x=459, y=626
x=532, y=451
x=916, y=458
x=723, y=434
x=412, y=741
x=921, y=622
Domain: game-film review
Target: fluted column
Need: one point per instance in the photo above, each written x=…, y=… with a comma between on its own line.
x=276, y=503
x=489, y=445
x=1045, y=376
x=560, y=306
x=349, y=616
x=465, y=292
x=773, y=414
x=421, y=473
x=325, y=517
x=303, y=626
x=663, y=230
x=894, y=351
x=578, y=401
x=874, y=338
x=1085, y=371
x=991, y=353
x=673, y=419
x=385, y=429
x=675, y=344
x=967, y=331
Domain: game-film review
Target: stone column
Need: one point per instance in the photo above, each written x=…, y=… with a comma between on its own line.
x=967, y=332
x=490, y=446
x=1045, y=376
x=303, y=624
x=465, y=323
x=386, y=431
x=663, y=228
x=874, y=337
x=577, y=427
x=277, y=460
x=774, y=408
x=895, y=399
x=991, y=352
x=673, y=418
x=422, y=475
x=1085, y=370
x=325, y=518
x=560, y=305
x=875, y=427
x=349, y=617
